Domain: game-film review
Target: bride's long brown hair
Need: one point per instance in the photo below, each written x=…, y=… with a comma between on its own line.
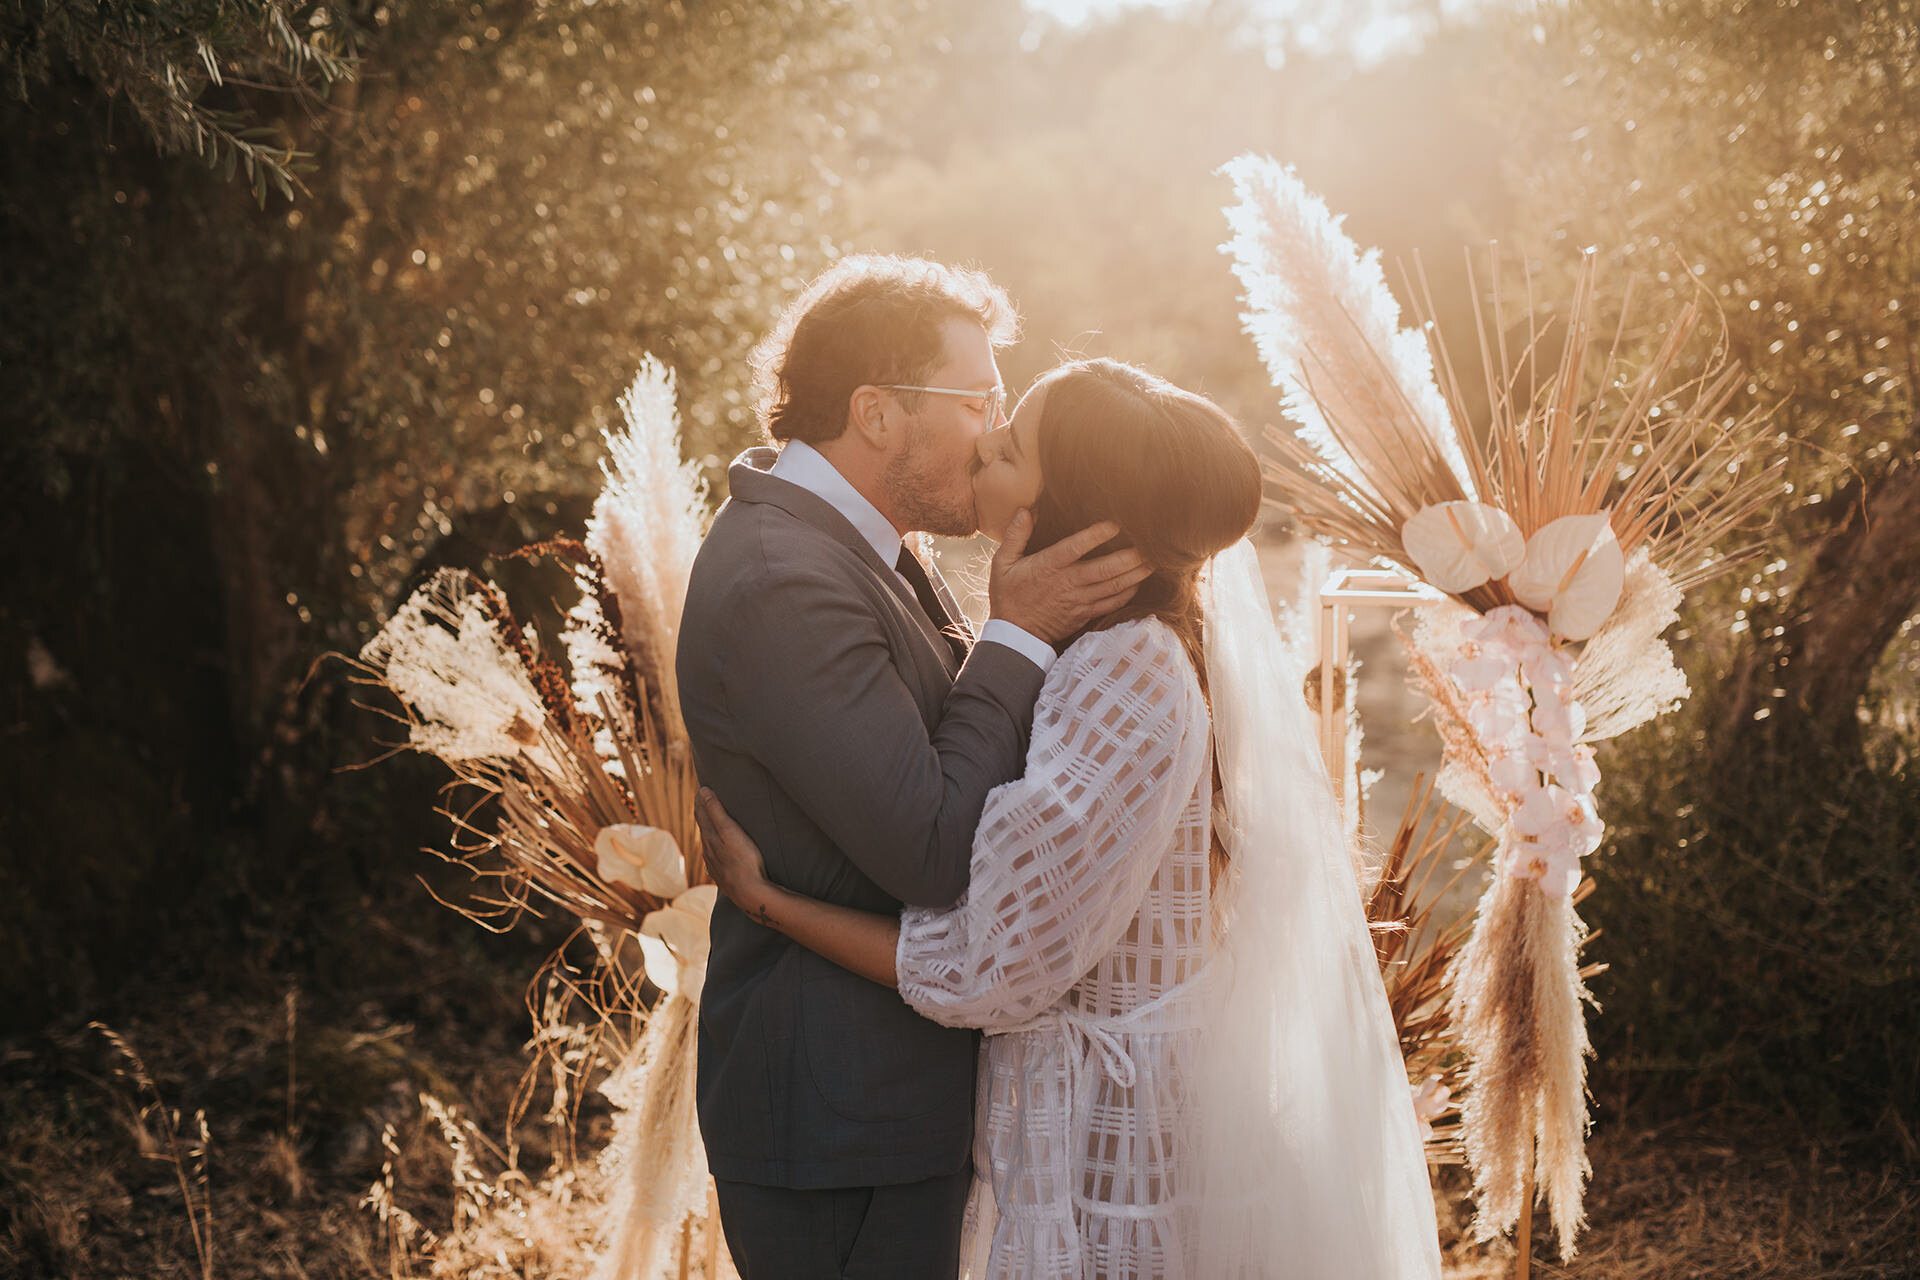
x=1168, y=466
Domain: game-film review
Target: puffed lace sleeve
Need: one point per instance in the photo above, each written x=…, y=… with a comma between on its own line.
x=1064, y=856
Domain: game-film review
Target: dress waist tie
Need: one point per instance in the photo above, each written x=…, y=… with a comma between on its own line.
x=1093, y=1043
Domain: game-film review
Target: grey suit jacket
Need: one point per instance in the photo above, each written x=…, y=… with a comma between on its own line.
x=827, y=713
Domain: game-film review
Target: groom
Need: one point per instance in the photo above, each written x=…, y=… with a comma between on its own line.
x=842, y=710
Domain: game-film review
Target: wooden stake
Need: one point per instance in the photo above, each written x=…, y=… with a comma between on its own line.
x=1523, y=1236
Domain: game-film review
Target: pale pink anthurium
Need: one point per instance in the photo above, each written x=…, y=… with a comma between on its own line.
x=1573, y=573
x=640, y=857
x=1460, y=545
x=675, y=943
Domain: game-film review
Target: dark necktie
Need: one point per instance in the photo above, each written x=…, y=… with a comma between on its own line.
x=916, y=575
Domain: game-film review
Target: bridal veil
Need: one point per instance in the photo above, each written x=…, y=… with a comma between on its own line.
x=1313, y=1166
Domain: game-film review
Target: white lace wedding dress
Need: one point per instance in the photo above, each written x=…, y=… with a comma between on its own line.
x=1077, y=946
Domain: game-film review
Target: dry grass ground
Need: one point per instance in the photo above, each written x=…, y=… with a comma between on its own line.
x=89, y=1186
x=1724, y=1203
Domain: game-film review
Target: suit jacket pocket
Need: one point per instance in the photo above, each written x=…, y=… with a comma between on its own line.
x=874, y=1059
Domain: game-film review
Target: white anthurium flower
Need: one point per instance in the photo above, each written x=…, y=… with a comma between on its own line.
x=1574, y=572
x=674, y=942
x=1508, y=626
x=1460, y=545
x=1479, y=667
x=1431, y=1099
x=643, y=858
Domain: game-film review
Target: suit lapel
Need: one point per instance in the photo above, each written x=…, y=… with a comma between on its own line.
x=750, y=479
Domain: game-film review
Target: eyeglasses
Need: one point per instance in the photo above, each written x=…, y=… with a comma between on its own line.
x=996, y=399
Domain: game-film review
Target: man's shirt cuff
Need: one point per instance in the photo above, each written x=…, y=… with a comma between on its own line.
x=1030, y=647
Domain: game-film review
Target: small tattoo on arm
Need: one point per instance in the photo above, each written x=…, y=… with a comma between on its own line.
x=761, y=916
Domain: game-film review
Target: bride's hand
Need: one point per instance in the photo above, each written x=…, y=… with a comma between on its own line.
x=733, y=859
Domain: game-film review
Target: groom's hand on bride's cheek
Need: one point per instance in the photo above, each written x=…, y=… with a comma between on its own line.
x=1056, y=591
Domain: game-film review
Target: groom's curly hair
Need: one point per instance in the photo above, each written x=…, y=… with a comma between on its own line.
x=868, y=320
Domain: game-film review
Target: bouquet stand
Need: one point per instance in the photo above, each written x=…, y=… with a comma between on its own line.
x=1344, y=589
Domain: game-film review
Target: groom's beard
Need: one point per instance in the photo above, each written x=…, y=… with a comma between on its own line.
x=930, y=494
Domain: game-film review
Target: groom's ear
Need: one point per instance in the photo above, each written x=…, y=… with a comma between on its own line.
x=870, y=417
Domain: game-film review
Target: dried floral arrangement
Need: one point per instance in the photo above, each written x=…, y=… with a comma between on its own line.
x=1562, y=531
x=574, y=790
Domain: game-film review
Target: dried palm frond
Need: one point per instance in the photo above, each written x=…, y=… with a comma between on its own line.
x=459, y=667
x=550, y=782
x=1416, y=944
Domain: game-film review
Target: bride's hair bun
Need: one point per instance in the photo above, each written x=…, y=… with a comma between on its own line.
x=1168, y=466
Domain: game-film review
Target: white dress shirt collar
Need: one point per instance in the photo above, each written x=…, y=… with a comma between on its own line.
x=802, y=464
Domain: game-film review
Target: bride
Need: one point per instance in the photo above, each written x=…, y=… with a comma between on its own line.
x=1191, y=1069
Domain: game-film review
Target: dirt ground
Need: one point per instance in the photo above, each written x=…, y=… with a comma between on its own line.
x=1720, y=1202
x=90, y=1185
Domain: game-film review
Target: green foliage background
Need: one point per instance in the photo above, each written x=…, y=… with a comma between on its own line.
x=1759, y=888
x=239, y=428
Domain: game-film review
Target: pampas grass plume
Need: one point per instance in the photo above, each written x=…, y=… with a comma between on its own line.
x=1328, y=328
x=468, y=694
x=646, y=528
